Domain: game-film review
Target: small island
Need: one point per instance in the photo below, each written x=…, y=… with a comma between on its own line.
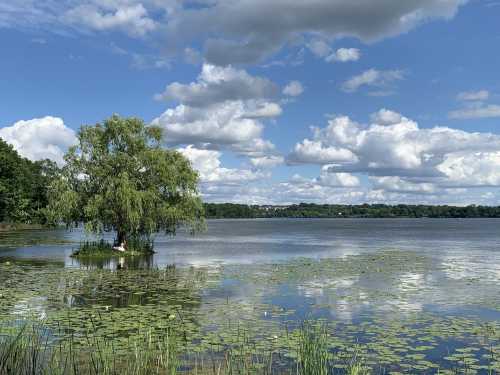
x=119, y=179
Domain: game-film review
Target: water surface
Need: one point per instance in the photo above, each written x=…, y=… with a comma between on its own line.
x=413, y=294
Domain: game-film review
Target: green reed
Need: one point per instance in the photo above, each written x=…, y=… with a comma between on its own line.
x=32, y=349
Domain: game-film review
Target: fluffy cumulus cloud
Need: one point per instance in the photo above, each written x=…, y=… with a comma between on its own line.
x=40, y=138
x=401, y=156
x=208, y=165
x=225, y=124
x=315, y=152
x=381, y=79
x=386, y=117
x=247, y=31
x=327, y=178
x=471, y=169
x=225, y=109
x=216, y=85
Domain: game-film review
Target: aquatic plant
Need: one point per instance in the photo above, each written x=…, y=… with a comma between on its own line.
x=241, y=330
x=136, y=246
x=313, y=354
x=34, y=349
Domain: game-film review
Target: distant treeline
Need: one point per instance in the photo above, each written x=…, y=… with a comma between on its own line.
x=24, y=189
x=310, y=210
x=23, y=186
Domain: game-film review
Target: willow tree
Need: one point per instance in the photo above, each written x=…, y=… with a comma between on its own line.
x=119, y=178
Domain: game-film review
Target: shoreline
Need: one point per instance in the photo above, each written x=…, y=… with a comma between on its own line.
x=9, y=227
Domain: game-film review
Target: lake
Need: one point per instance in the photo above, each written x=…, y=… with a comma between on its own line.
x=407, y=295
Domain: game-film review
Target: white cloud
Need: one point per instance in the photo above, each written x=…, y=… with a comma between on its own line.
x=40, y=138
x=476, y=111
x=294, y=88
x=132, y=19
x=216, y=85
x=137, y=18
x=344, y=55
x=224, y=108
x=208, y=164
x=327, y=178
x=373, y=78
x=317, y=152
x=473, y=95
x=471, y=169
x=323, y=50
x=386, y=117
x=474, y=106
x=224, y=124
x=396, y=184
x=395, y=146
x=299, y=189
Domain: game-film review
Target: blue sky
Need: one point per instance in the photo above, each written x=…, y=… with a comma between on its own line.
x=282, y=102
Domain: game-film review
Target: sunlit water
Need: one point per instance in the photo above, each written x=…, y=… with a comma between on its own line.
x=371, y=278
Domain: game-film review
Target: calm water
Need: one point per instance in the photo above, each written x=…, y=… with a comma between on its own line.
x=372, y=278
x=476, y=241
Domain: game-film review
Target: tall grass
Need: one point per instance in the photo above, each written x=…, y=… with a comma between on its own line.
x=313, y=353
x=34, y=350
x=315, y=356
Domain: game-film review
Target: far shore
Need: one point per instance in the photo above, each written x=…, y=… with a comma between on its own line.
x=7, y=227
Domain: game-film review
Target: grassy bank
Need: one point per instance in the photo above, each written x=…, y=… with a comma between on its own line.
x=104, y=249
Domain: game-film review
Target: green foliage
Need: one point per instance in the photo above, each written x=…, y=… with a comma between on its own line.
x=23, y=186
x=135, y=246
x=119, y=178
x=311, y=210
x=313, y=354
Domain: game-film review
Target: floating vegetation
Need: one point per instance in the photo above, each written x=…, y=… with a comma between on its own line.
x=388, y=312
x=15, y=238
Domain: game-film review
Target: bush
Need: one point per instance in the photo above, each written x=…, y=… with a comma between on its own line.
x=102, y=248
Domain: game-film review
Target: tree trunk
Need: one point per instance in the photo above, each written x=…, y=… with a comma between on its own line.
x=122, y=238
